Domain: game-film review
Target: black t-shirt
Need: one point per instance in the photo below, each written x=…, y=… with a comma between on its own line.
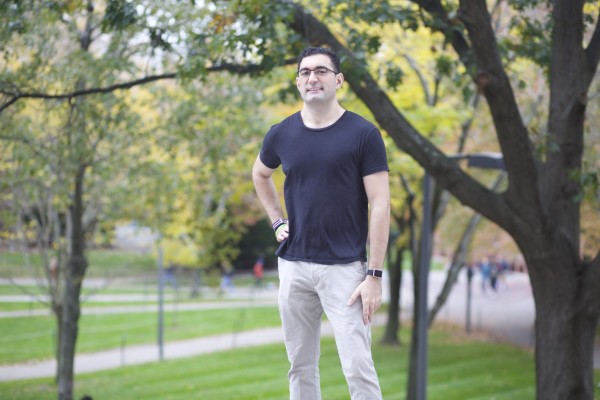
x=324, y=193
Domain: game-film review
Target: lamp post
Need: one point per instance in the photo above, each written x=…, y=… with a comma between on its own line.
x=422, y=295
x=161, y=285
x=485, y=160
x=469, y=283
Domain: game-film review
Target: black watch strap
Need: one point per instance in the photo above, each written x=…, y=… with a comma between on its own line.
x=377, y=273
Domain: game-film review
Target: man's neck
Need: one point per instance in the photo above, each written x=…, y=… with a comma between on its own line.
x=316, y=117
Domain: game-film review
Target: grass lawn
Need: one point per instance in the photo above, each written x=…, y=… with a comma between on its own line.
x=459, y=369
x=29, y=338
x=102, y=263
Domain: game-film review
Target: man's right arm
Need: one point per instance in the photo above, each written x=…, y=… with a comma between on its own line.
x=267, y=193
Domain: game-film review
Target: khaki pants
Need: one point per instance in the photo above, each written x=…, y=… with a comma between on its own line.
x=305, y=291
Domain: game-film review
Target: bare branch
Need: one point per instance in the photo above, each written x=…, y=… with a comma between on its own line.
x=78, y=93
x=15, y=95
x=415, y=68
x=460, y=255
x=12, y=100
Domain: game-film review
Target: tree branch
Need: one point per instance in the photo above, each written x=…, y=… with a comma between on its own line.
x=484, y=64
x=446, y=26
x=15, y=95
x=459, y=257
x=78, y=93
x=492, y=80
x=413, y=64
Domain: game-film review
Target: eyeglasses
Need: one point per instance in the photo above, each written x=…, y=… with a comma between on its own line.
x=320, y=72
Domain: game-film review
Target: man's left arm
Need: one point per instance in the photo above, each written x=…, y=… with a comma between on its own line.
x=378, y=193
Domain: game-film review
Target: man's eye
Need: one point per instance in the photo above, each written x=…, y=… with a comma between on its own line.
x=320, y=71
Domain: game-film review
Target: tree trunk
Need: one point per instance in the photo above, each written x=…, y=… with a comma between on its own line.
x=411, y=390
x=74, y=275
x=565, y=327
x=196, y=283
x=414, y=341
x=58, y=313
x=392, y=328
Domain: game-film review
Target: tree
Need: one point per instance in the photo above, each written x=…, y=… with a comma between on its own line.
x=540, y=208
x=72, y=55
x=69, y=143
x=206, y=143
x=48, y=164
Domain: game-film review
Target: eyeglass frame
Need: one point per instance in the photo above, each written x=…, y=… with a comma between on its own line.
x=310, y=71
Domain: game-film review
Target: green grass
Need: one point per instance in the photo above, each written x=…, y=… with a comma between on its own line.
x=148, y=290
x=102, y=263
x=458, y=370
x=31, y=338
x=150, y=302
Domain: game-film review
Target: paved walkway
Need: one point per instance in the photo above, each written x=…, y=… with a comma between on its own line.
x=508, y=314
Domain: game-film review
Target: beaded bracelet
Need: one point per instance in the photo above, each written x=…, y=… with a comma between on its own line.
x=278, y=223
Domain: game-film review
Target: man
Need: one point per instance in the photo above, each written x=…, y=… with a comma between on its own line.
x=336, y=167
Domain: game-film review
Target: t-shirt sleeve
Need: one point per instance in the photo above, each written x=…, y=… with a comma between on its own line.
x=268, y=155
x=374, y=158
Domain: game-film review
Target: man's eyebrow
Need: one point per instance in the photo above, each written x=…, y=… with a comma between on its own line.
x=318, y=66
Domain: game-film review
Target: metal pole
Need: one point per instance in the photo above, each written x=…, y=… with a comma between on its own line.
x=469, y=281
x=422, y=311
x=161, y=285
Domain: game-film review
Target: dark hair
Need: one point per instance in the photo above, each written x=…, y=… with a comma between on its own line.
x=311, y=51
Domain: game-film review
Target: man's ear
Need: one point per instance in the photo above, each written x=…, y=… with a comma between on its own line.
x=339, y=80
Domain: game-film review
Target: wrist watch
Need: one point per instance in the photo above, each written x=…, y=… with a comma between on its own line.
x=377, y=273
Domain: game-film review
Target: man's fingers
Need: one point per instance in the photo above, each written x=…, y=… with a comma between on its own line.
x=282, y=228
x=354, y=297
x=282, y=232
x=370, y=301
x=366, y=315
x=367, y=310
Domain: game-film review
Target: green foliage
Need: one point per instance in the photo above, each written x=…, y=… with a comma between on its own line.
x=240, y=33
x=444, y=65
x=394, y=76
x=380, y=12
x=522, y=5
x=588, y=181
x=11, y=13
x=119, y=15
x=178, y=251
x=533, y=40
x=204, y=148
